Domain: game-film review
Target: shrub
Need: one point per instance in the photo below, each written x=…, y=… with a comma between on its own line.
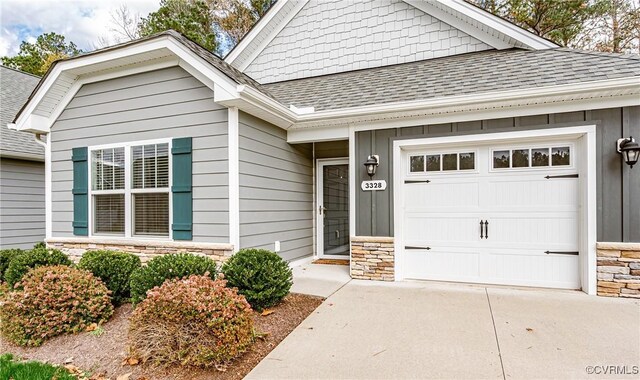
x=5, y=257
x=14, y=369
x=191, y=321
x=54, y=300
x=262, y=276
x=21, y=263
x=167, y=267
x=114, y=269
x=40, y=245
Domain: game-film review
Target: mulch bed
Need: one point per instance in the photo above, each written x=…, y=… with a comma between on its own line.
x=106, y=354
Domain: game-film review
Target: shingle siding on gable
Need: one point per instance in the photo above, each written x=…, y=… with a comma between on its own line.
x=334, y=36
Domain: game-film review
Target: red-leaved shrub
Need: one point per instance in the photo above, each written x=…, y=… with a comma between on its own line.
x=192, y=321
x=54, y=300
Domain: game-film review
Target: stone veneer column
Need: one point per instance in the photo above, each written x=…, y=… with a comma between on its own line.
x=145, y=249
x=372, y=258
x=618, y=268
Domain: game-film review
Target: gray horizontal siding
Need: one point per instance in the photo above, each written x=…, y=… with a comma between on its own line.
x=22, y=203
x=167, y=103
x=618, y=186
x=276, y=190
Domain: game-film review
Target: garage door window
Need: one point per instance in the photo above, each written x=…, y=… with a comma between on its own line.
x=555, y=156
x=442, y=162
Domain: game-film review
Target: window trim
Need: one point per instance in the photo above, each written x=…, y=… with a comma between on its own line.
x=549, y=144
x=128, y=191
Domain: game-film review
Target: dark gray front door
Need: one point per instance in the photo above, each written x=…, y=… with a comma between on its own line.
x=334, y=208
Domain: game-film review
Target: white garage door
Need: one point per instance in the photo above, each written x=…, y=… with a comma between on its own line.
x=492, y=214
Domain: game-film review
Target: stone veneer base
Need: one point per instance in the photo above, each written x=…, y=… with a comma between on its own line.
x=145, y=249
x=372, y=258
x=618, y=269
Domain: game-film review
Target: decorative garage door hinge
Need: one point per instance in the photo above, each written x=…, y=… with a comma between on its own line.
x=416, y=181
x=415, y=247
x=562, y=176
x=562, y=252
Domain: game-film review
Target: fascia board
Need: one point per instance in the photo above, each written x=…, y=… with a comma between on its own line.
x=523, y=36
x=606, y=85
x=281, y=24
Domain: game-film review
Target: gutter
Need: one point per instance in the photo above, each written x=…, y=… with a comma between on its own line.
x=307, y=118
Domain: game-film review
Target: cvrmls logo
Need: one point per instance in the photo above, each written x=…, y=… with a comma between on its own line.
x=612, y=370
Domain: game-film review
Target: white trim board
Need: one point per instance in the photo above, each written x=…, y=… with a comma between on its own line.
x=586, y=136
x=319, y=200
x=234, y=178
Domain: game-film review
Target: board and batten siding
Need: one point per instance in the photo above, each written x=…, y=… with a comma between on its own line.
x=276, y=190
x=618, y=186
x=22, y=203
x=331, y=36
x=166, y=103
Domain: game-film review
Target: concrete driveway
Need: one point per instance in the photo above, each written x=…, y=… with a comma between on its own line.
x=426, y=330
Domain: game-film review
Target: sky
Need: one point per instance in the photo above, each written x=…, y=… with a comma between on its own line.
x=80, y=21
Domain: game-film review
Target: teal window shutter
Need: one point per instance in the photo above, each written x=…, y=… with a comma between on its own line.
x=80, y=192
x=182, y=225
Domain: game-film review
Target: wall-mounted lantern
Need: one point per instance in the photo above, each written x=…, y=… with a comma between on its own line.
x=629, y=149
x=371, y=164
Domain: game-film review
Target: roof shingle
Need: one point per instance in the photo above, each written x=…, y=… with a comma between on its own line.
x=15, y=88
x=473, y=73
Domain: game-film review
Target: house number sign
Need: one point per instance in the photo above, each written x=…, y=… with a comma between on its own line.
x=373, y=185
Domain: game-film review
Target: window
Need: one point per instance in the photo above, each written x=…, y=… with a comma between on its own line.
x=556, y=156
x=108, y=167
x=442, y=162
x=130, y=190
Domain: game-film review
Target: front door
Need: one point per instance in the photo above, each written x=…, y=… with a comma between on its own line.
x=333, y=208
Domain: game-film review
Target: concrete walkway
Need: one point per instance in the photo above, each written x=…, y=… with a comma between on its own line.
x=430, y=330
x=319, y=279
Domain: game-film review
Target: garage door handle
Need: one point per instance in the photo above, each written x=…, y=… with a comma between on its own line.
x=575, y=253
x=415, y=247
x=563, y=176
x=481, y=229
x=486, y=229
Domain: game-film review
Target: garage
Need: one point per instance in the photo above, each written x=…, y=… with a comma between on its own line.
x=503, y=212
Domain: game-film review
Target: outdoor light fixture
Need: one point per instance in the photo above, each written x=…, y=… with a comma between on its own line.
x=371, y=164
x=629, y=149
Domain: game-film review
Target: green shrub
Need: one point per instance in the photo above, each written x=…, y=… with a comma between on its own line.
x=54, y=300
x=262, y=276
x=21, y=263
x=167, y=267
x=40, y=245
x=5, y=257
x=31, y=370
x=114, y=269
x=192, y=321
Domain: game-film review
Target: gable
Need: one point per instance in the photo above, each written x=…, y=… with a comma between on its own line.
x=333, y=36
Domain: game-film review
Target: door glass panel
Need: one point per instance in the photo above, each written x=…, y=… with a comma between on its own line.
x=450, y=162
x=467, y=161
x=433, y=163
x=520, y=158
x=540, y=157
x=335, y=198
x=417, y=164
x=500, y=159
x=560, y=156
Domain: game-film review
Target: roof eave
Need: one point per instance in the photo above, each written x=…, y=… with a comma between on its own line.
x=628, y=87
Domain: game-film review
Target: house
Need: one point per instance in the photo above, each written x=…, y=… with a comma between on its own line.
x=22, y=165
x=491, y=152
